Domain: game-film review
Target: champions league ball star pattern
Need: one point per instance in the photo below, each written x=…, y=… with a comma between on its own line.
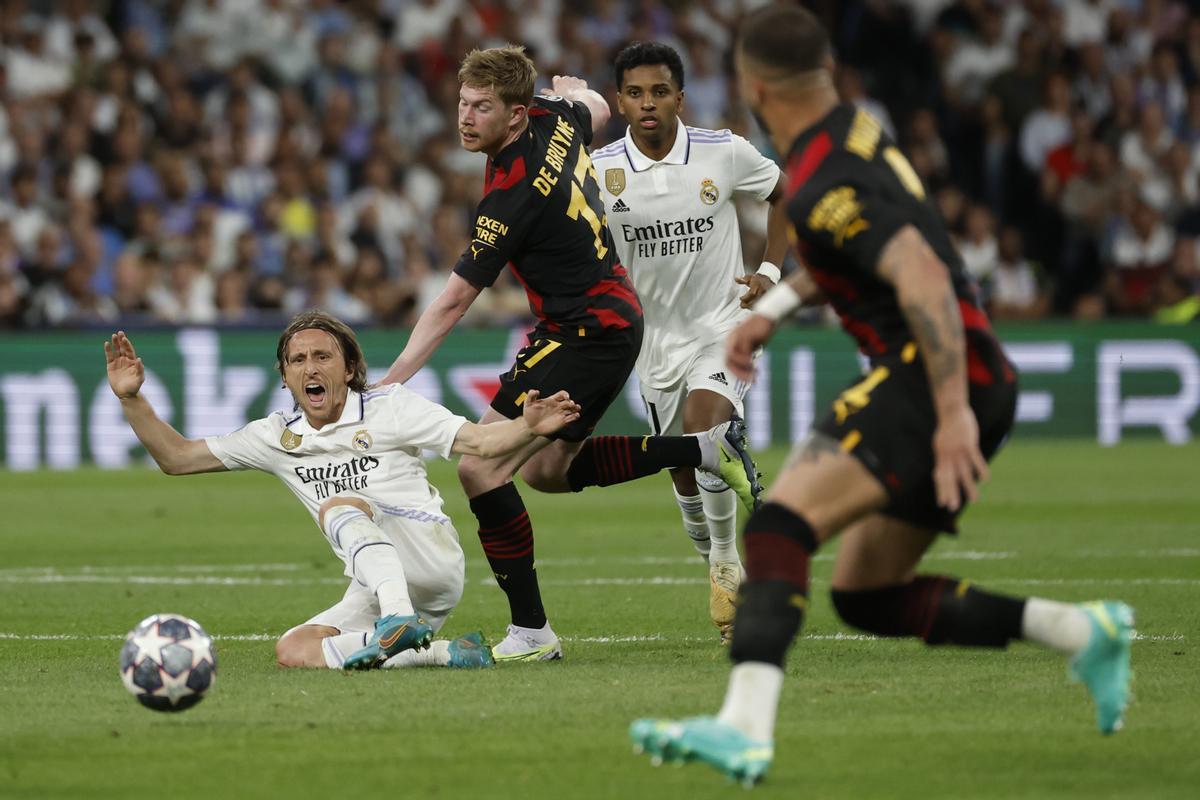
x=168, y=663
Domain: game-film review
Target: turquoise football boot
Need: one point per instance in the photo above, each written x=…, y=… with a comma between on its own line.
x=470, y=652
x=393, y=634
x=1103, y=665
x=722, y=746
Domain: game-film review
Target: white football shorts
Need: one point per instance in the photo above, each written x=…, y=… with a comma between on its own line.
x=706, y=370
x=433, y=565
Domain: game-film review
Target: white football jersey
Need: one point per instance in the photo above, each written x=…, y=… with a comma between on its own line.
x=373, y=451
x=676, y=230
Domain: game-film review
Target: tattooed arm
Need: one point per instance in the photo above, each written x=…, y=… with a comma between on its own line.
x=927, y=300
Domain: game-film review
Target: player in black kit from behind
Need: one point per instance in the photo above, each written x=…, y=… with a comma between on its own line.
x=542, y=215
x=902, y=449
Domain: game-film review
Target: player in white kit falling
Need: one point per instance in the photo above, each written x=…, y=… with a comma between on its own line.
x=669, y=193
x=353, y=458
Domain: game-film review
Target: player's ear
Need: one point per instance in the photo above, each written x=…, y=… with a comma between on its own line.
x=518, y=113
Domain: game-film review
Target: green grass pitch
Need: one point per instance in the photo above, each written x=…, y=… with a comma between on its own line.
x=84, y=556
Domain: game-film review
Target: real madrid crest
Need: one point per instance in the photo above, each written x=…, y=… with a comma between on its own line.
x=362, y=440
x=289, y=440
x=709, y=192
x=614, y=180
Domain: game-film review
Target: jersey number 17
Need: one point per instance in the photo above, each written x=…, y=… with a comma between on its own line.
x=579, y=206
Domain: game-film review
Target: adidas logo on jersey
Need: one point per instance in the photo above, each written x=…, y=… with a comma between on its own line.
x=719, y=377
x=620, y=205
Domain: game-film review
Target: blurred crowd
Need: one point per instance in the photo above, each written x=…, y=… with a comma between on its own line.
x=234, y=161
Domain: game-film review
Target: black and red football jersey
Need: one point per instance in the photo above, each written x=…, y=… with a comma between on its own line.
x=850, y=190
x=542, y=215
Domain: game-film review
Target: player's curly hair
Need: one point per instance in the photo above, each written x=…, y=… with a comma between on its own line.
x=340, y=331
x=507, y=71
x=640, y=54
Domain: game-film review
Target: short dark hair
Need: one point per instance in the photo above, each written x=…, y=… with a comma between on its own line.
x=640, y=54
x=785, y=38
x=340, y=331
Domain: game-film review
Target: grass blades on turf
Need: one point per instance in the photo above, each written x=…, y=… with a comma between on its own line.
x=84, y=556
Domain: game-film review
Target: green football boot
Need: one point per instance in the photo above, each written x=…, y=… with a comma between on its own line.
x=470, y=652
x=737, y=468
x=393, y=634
x=722, y=746
x=1103, y=665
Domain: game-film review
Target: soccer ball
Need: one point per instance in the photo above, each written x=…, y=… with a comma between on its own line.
x=168, y=663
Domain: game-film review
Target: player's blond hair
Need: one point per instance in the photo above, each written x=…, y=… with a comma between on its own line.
x=506, y=71
x=342, y=334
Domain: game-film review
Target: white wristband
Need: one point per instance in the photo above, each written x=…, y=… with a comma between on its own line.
x=769, y=271
x=777, y=303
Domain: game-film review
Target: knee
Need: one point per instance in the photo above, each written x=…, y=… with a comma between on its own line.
x=290, y=651
x=477, y=475
x=542, y=478
x=334, y=502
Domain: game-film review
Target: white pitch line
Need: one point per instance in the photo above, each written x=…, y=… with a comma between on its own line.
x=113, y=569
x=598, y=561
x=652, y=580
x=651, y=637
x=665, y=580
x=170, y=580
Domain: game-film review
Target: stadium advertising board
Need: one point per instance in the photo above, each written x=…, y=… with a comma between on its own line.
x=1104, y=382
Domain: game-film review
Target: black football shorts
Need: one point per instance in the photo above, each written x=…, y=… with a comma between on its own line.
x=886, y=419
x=594, y=375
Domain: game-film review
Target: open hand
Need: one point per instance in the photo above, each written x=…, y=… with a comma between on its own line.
x=743, y=342
x=958, y=464
x=544, y=417
x=565, y=86
x=126, y=373
x=758, y=285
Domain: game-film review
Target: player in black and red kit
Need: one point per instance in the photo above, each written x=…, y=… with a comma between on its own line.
x=903, y=448
x=541, y=215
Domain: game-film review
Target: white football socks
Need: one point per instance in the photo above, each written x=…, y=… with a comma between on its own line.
x=337, y=649
x=694, y=521
x=1061, y=626
x=372, y=558
x=438, y=655
x=710, y=451
x=720, y=509
x=752, y=699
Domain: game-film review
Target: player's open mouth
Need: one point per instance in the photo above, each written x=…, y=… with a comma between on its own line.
x=648, y=122
x=315, y=392
x=468, y=136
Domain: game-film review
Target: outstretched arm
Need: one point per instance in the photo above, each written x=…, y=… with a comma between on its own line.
x=927, y=299
x=175, y=454
x=576, y=90
x=539, y=418
x=436, y=321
